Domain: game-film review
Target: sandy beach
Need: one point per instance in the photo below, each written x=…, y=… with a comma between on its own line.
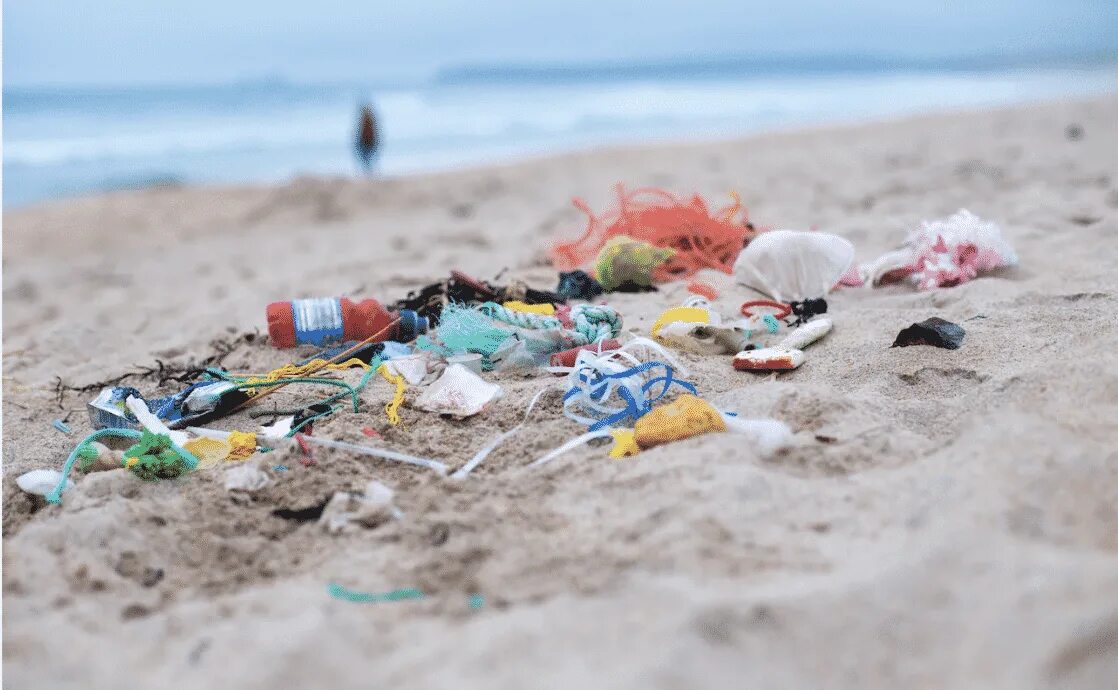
x=943, y=519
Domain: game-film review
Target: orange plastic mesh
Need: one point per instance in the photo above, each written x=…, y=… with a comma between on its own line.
x=700, y=238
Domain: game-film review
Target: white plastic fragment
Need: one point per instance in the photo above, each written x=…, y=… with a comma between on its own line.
x=769, y=359
x=278, y=429
x=874, y=272
x=246, y=477
x=368, y=509
x=41, y=482
x=206, y=398
x=459, y=392
x=412, y=367
x=806, y=334
x=790, y=265
x=152, y=423
x=766, y=436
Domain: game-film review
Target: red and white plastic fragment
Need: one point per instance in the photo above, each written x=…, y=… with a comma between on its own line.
x=769, y=359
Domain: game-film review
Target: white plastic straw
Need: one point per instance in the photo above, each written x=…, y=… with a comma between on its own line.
x=465, y=470
x=569, y=445
x=435, y=465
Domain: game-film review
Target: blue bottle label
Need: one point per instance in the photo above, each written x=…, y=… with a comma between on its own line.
x=317, y=321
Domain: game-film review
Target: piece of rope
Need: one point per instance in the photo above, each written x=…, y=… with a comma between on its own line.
x=392, y=409
x=591, y=322
x=290, y=371
x=596, y=377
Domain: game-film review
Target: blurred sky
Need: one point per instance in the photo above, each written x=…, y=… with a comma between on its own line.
x=126, y=42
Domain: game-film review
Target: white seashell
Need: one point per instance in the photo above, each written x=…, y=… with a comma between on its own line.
x=789, y=265
x=459, y=392
x=41, y=482
x=246, y=477
x=806, y=334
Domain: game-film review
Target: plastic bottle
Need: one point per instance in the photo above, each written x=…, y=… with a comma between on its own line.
x=338, y=319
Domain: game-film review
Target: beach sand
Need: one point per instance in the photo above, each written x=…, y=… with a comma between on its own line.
x=944, y=518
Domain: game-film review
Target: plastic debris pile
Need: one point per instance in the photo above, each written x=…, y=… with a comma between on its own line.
x=439, y=355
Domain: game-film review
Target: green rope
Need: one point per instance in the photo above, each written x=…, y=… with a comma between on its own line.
x=591, y=322
x=339, y=592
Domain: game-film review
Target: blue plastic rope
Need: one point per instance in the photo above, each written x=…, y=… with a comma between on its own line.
x=634, y=409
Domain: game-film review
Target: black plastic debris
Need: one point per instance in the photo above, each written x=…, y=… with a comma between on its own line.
x=803, y=311
x=578, y=285
x=460, y=288
x=934, y=331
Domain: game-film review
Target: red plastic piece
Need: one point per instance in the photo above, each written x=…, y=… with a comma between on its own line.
x=782, y=309
x=702, y=289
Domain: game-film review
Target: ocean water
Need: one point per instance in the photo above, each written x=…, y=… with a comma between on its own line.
x=62, y=143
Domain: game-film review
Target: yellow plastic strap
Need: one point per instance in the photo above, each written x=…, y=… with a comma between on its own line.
x=524, y=307
x=392, y=409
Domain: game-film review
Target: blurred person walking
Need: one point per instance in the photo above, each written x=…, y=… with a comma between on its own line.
x=367, y=140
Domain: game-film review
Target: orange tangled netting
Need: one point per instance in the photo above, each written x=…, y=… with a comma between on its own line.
x=700, y=238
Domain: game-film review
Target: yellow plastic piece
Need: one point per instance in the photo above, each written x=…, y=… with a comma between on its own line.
x=624, y=444
x=209, y=451
x=687, y=314
x=686, y=416
x=524, y=307
x=243, y=445
x=392, y=409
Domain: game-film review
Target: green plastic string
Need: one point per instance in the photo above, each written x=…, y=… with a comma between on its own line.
x=55, y=496
x=339, y=592
x=309, y=420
